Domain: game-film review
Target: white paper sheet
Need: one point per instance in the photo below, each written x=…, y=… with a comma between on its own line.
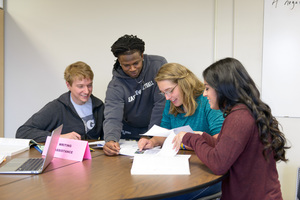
x=160, y=165
x=186, y=128
x=167, y=148
x=163, y=132
x=127, y=147
x=157, y=131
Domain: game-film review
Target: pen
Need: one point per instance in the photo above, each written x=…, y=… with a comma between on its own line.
x=3, y=160
x=37, y=148
x=92, y=150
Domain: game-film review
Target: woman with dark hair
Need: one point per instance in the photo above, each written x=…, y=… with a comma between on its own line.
x=250, y=141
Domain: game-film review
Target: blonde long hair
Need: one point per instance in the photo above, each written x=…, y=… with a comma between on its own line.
x=190, y=86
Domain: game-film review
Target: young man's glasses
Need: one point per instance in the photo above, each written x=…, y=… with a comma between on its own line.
x=168, y=92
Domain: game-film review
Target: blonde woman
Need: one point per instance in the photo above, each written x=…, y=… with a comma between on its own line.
x=185, y=105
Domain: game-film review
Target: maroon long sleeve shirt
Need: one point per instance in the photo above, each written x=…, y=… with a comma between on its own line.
x=238, y=151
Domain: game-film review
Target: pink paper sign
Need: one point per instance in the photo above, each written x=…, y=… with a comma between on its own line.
x=70, y=149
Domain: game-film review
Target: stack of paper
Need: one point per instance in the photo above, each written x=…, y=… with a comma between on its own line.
x=160, y=165
x=13, y=146
x=165, y=162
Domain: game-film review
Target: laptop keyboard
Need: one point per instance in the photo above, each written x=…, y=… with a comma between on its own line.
x=32, y=164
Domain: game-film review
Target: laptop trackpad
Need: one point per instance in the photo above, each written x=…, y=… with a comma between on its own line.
x=13, y=164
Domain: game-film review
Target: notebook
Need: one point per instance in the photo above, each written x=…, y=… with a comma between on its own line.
x=33, y=165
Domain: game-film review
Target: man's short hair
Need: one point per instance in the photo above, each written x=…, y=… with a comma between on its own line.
x=78, y=70
x=128, y=44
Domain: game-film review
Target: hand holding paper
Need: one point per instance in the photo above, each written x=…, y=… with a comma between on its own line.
x=177, y=140
x=167, y=148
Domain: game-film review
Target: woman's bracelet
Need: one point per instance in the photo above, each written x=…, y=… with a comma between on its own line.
x=182, y=146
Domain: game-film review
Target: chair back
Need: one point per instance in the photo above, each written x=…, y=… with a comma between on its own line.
x=297, y=185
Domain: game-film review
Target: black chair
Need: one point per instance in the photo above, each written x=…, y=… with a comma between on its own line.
x=215, y=196
x=298, y=187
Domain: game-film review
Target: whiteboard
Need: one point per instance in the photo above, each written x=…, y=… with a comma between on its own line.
x=281, y=57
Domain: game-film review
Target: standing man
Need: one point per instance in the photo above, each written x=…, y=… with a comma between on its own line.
x=78, y=110
x=133, y=103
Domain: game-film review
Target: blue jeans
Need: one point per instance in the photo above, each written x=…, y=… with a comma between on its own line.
x=199, y=193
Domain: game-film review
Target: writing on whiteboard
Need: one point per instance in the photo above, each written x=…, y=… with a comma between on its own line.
x=288, y=3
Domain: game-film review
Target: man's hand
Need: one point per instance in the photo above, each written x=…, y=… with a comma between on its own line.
x=111, y=148
x=71, y=135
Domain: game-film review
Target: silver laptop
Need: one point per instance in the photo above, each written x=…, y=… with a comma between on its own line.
x=33, y=165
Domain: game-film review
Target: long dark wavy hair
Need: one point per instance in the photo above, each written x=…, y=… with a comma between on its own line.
x=233, y=86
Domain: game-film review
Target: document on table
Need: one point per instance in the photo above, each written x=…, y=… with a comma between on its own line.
x=165, y=162
x=130, y=148
x=127, y=147
x=160, y=165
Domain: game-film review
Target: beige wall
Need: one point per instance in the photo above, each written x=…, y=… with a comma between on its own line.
x=1, y=73
x=39, y=45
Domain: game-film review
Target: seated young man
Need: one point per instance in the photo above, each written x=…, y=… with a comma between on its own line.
x=78, y=110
